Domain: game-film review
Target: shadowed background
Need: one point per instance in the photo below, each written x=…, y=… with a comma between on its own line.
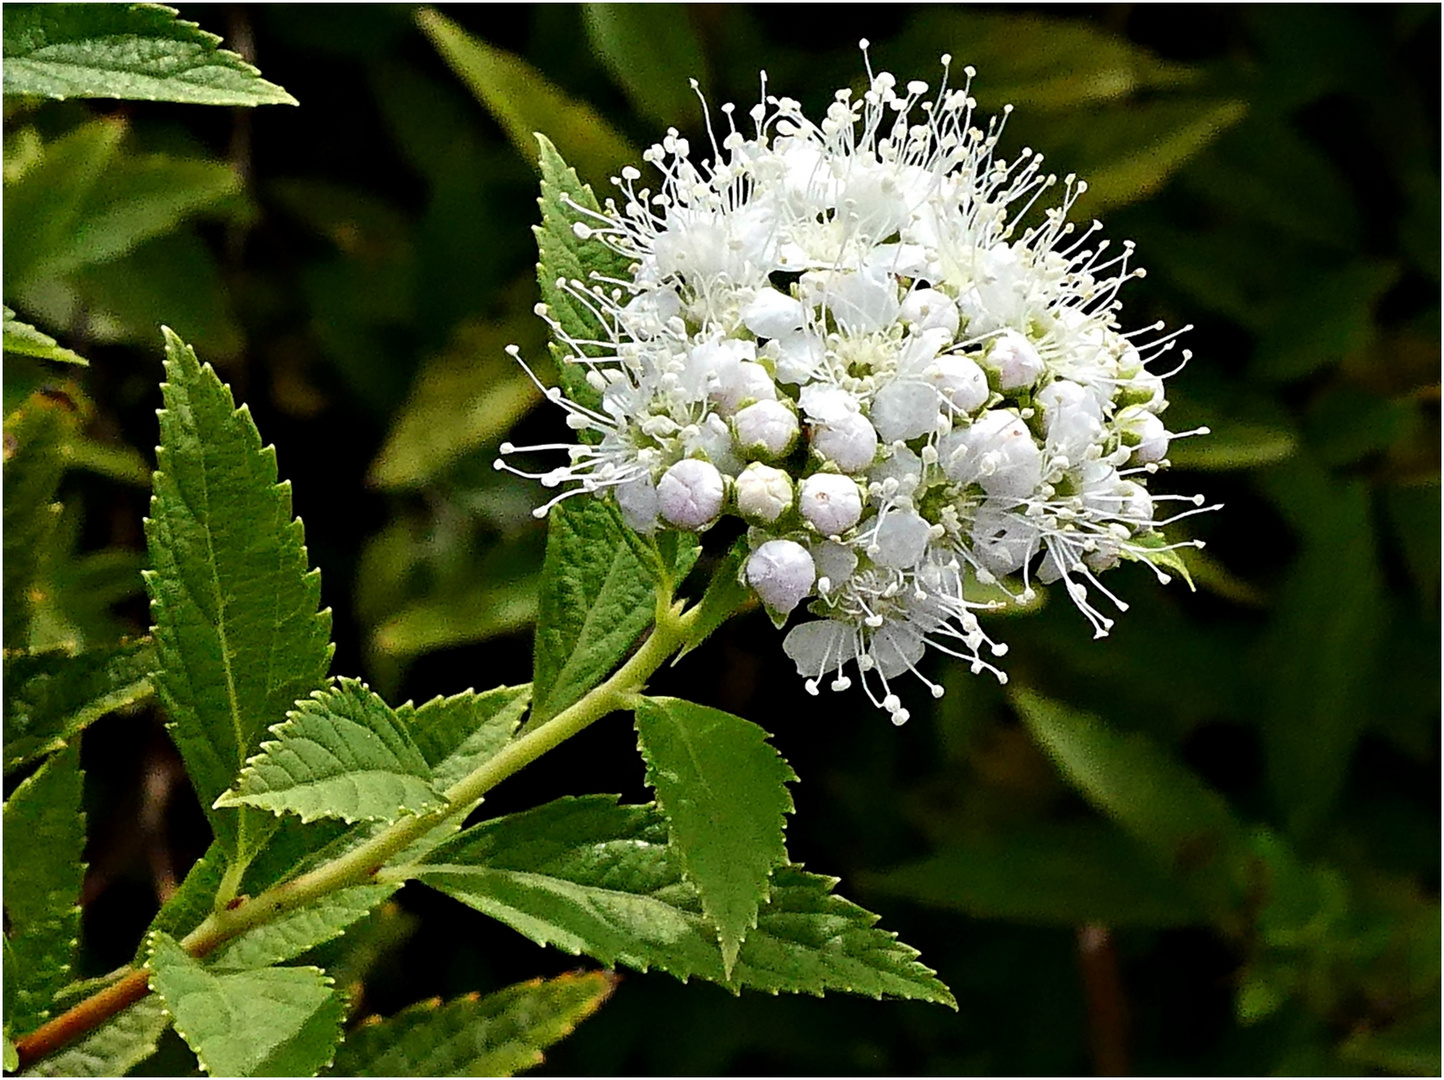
x=355, y=266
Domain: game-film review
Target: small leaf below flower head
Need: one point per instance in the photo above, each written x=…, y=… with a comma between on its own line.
x=722, y=789
x=497, y=1035
x=596, y=599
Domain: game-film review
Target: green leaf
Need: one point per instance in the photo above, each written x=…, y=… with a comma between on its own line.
x=342, y=753
x=525, y=103
x=1317, y=699
x=562, y=255
x=51, y=696
x=142, y=196
x=652, y=52
x=1056, y=875
x=84, y=204
x=235, y=605
x=590, y=876
x=1152, y=798
x=123, y=1041
x=466, y=397
x=1326, y=315
x=1069, y=64
x=22, y=338
x=44, y=205
x=300, y=930
x=722, y=789
x=1127, y=153
x=726, y=595
x=596, y=600
x=172, y=278
x=34, y=437
x=484, y=610
x=138, y=51
x=1409, y=1046
x=44, y=841
x=498, y=1035
x=457, y=735
x=12, y=1056
x=271, y=1022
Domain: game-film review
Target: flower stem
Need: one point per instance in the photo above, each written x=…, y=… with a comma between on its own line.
x=365, y=863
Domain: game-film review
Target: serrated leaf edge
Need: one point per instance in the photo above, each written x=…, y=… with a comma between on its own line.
x=151, y=941
x=232, y=796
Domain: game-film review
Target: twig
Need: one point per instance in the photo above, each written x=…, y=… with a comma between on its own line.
x=1107, y=1007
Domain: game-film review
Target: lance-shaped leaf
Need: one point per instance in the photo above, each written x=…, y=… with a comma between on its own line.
x=45, y=204
x=723, y=790
x=235, y=605
x=1058, y=875
x=34, y=436
x=271, y=1022
x=21, y=337
x=299, y=931
x=1151, y=796
x=342, y=753
x=596, y=599
x=51, y=696
x=139, y=51
x=496, y=1035
x=44, y=841
x=113, y=1048
x=653, y=52
x=593, y=877
x=523, y=101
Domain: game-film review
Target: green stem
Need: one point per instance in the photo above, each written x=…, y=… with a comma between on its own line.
x=365, y=863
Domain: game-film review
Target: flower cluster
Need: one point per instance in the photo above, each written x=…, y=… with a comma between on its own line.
x=847, y=334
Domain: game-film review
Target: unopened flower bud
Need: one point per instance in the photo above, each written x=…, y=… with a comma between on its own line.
x=638, y=502
x=763, y=493
x=1014, y=361
x=830, y=503
x=1143, y=431
x=781, y=572
x=690, y=494
x=765, y=429
x=849, y=442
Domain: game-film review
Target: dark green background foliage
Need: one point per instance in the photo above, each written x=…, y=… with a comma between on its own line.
x=1241, y=783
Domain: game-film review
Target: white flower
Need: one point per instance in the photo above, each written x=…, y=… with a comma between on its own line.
x=972, y=408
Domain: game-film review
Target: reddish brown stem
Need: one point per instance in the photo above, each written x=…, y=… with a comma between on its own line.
x=85, y=1017
x=1107, y=1007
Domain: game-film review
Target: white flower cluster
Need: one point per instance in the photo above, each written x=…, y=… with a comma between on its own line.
x=843, y=333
